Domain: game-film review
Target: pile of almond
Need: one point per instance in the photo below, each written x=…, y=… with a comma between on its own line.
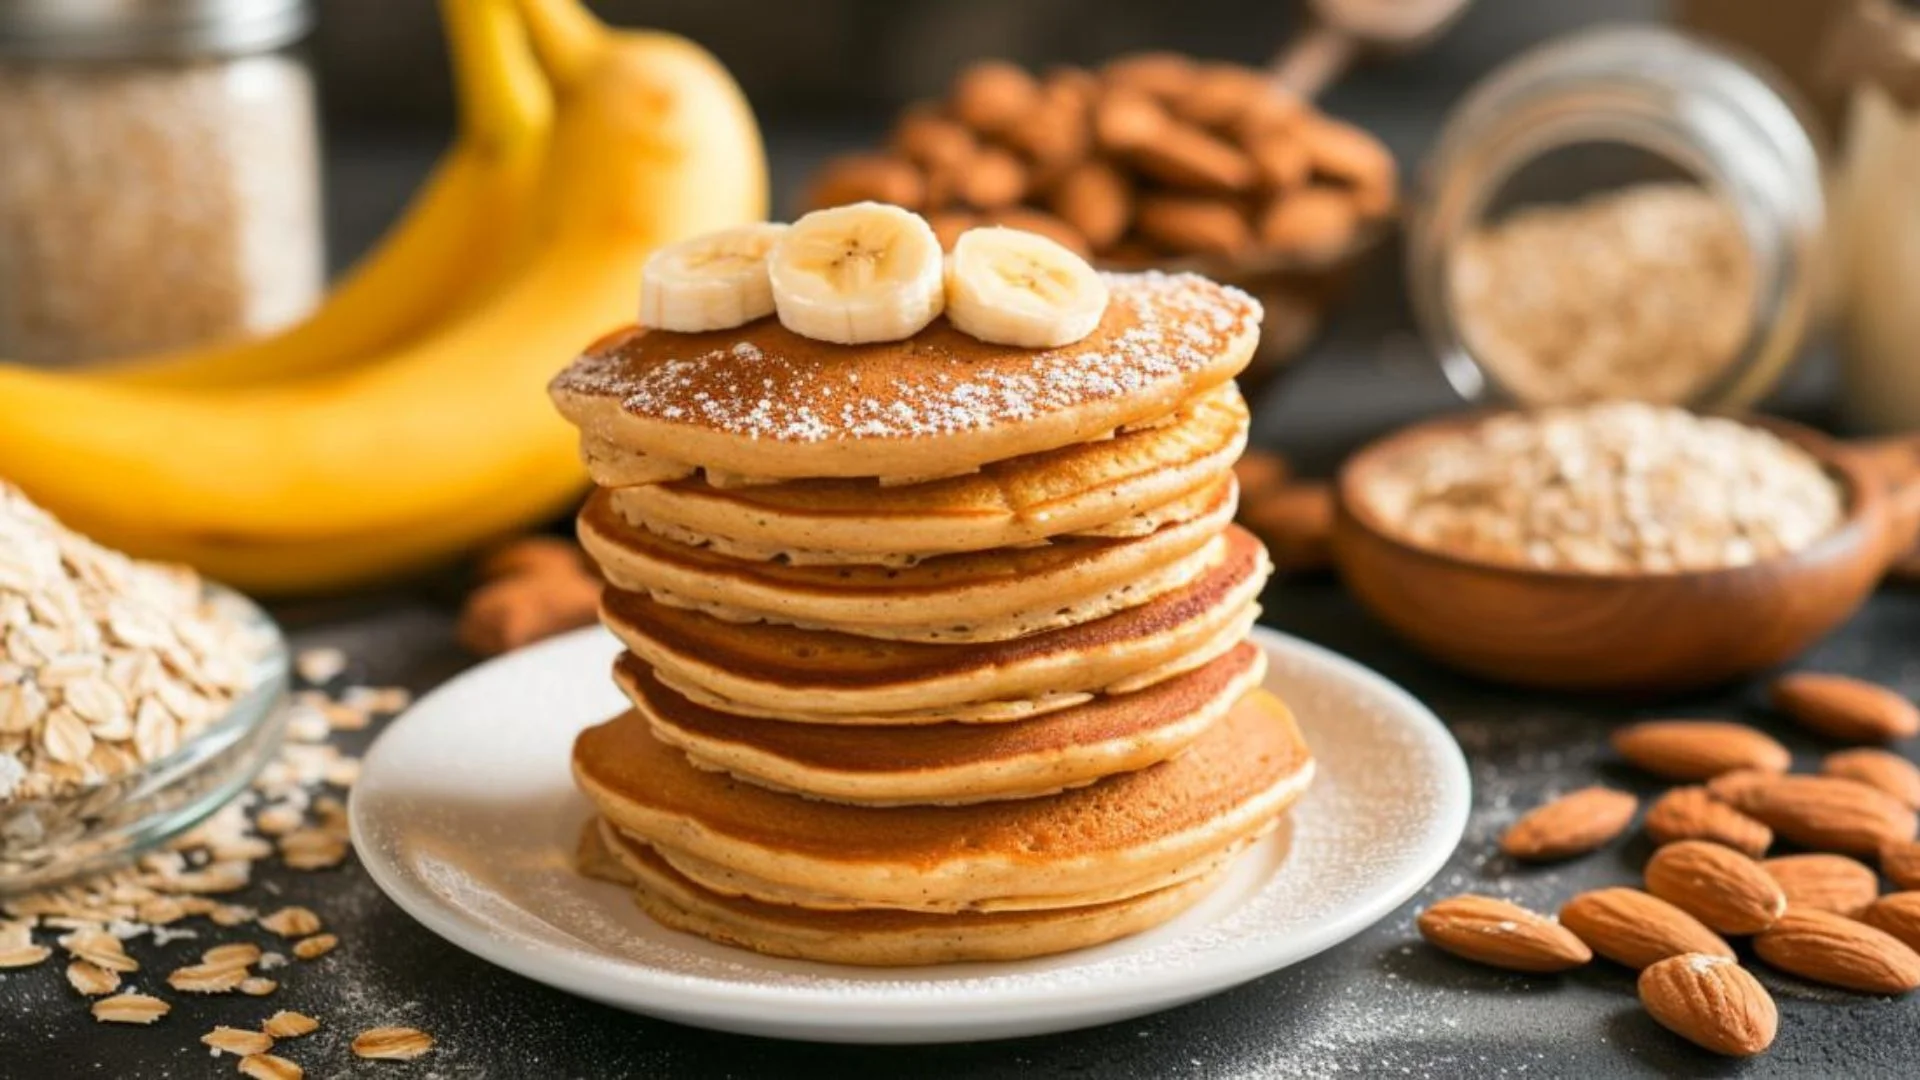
x=1154, y=155
x=1818, y=914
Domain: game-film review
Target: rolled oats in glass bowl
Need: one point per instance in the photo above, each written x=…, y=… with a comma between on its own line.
x=135, y=699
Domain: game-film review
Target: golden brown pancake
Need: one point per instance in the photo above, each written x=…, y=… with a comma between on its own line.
x=883, y=938
x=762, y=402
x=950, y=763
x=1125, y=835
x=1128, y=485
x=976, y=596
x=772, y=667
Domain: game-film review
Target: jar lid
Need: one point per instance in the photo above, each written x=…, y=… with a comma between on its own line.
x=126, y=29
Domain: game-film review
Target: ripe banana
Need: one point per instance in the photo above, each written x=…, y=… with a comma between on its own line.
x=859, y=273
x=461, y=234
x=710, y=282
x=1020, y=288
x=436, y=444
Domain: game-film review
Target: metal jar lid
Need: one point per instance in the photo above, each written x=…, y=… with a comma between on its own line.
x=128, y=29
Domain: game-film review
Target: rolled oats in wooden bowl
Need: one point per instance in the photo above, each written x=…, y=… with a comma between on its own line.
x=135, y=698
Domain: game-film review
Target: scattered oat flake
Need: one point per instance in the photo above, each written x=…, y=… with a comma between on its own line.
x=258, y=986
x=238, y=953
x=269, y=1067
x=130, y=1009
x=237, y=1041
x=279, y=819
x=101, y=949
x=208, y=978
x=290, y=1025
x=291, y=922
x=321, y=664
x=24, y=956
x=392, y=1043
x=92, y=979
x=312, y=948
x=312, y=849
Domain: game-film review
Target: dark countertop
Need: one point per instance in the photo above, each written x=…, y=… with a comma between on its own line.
x=1383, y=1004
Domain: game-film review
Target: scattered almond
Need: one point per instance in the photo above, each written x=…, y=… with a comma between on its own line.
x=1712, y=1002
x=1635, y=928
x=1735, y=787
x=291, y=922
x=1827, y=814
x=1897, y=914
x=315, y=947
x=269, y=1067
x=1691, y=813
x=392, y=1043
x=1851, y=710
x=91, y=979
x=1900, y=861
x=1727, y=891
x=130, y=1009
x=1699, y=749
x=290, y=1025
x=1826, y=948
x=1828, y=882
x=1573, y=824
x=1501, y=934
x=238, y=1042
x=1881, y=769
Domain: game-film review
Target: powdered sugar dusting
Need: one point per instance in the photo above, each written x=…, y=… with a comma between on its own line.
x=1159, y=328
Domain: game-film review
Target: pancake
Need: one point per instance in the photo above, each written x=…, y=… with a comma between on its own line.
x=1125, y=835
x=763, y=402
x=977, y=596
x=1128, y=485
x=771, y=667
x=950, y=763
x=887, y=938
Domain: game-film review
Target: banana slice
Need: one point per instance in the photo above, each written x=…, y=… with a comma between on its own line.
x=858, y=273
x=712, y=282
x=1013, y=287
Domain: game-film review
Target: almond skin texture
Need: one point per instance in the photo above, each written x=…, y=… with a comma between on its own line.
x=1822, y=947
x=1725, y=890
x=1827, y=814
x=1900, y=861
x=1692, y=813
x=1897, y=914
x=1634, y=928
x=1699, y=749
x=1828, y=882
x=1881, y=769
x=1573, y=824
x=1502, y=935
x=1850, y=710
x=1712, y=1002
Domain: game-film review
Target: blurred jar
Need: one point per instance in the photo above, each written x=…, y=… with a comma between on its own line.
x=1623, y=213
x=159, y=179
x=1877, y=51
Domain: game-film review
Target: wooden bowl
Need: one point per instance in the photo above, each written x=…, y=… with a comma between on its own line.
x=1642, y=632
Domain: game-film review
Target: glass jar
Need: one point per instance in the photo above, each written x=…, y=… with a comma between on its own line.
x=159, y=179
x=1623, y=213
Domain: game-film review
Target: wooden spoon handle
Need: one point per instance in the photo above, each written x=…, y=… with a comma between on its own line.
x=1895, y=463
x=1313, y=61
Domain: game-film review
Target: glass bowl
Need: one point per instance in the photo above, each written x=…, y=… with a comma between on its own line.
x=46, y=841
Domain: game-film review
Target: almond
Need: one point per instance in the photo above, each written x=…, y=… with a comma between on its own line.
x=1828, y=882
x=1724, y=889
x=1822, y=947
x=993, y=179
x=862, y=177
x=1316, y=224
x=1699, y=749
x=1573, y=824
x=1185, y=224
x=1897, y=914
x=1094, y=198
x=1500, y=934
x=1851, y=710
x=1690, y=813
x=1733, y=788
x=1881, y=769
x=1712, y=1002
x=1637, y=929
x=992, y=95
x=1184, y=156
x=1900, y=861
x=1825, y=813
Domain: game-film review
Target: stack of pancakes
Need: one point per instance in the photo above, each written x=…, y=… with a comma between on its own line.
x=935, y=648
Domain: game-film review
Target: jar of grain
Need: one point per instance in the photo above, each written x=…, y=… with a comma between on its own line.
x=158, y=175
x=1627, y=213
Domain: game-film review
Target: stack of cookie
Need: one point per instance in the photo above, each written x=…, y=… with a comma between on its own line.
x=935, y=643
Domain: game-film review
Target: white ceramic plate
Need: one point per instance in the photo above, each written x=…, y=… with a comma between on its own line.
x=466, y=815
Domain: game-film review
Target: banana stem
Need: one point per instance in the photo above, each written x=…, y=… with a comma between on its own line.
x=568, y=38
x=503, y=98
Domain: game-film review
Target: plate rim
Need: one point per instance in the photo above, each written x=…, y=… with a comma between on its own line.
x=822, y=1013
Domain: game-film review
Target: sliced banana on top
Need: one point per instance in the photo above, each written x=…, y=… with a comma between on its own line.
x=711, y=282
x=1013, y=287
x=858, y=273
